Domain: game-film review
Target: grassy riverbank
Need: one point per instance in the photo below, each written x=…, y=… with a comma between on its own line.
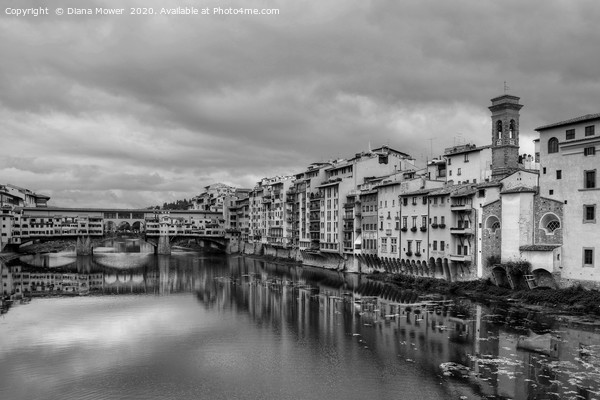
x=575, y=300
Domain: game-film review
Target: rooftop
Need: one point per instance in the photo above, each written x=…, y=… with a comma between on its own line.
x=520, y=189
x=583, y=118
x=463, y=148
x=539, y=247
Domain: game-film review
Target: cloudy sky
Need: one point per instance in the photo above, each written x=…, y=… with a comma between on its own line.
x=136, y=110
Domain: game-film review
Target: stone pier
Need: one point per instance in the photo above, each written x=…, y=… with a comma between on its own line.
x=84, y=246
x=164, y=245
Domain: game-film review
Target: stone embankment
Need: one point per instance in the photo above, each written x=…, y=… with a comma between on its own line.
x=323, y=260
x=575, y=304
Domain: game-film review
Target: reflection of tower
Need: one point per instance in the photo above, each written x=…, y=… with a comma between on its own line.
x=505, y=134
x=164, y=264
x=84, y=264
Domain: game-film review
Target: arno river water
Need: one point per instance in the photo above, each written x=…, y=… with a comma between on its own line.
x=189, y=326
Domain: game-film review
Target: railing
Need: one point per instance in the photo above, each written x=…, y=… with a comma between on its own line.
x=461, y=207
x=461, y=231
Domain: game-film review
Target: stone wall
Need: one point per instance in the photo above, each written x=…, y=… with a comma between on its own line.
x=543, y=206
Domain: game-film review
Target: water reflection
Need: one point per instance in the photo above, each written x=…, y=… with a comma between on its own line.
x=345, y=336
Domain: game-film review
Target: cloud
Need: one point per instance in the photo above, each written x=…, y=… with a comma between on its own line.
x=150, y=107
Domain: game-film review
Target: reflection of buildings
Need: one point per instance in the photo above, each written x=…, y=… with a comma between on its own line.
x=18, y=283
x=399, y=327
x=102, y=275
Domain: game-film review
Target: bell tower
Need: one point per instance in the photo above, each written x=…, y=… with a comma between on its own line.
x=505, y=134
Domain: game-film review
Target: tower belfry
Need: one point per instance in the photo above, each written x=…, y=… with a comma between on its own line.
x=505, y=134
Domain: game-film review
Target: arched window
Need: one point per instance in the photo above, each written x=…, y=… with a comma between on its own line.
x=492, y=223
x=499, y=129
x=511, y=129
x=550, y=223
x=553, y=145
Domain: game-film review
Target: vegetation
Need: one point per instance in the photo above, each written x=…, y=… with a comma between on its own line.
x=177, y=205
x=575, y=300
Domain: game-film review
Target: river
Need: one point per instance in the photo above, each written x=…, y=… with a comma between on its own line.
x=189, y=326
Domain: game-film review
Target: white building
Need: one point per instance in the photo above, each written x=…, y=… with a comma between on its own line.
x=569, y=162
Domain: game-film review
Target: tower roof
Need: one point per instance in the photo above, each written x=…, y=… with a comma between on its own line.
x=506, y=101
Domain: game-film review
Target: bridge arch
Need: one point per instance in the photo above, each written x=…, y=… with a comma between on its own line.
x=124, y=226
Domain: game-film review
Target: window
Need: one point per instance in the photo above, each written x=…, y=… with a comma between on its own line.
x=404, y=222
x=435, y=200
x=414, y=222
x=552, y=226
x=570, y=134
x=589, y=151
x=458, y=172
x=588, y=257
x=551, y=192
x=466, y=157
x=499, y=129
x=589, y=130
x=442, y=245
x=492, y=223
x=409, y=246
x=405, y=201
x=435, y=245
x=589, y=213
x=442, y=220
x=589, y=179
x=414, y=201
x=549, y=223
x=449, y=161
x=424, y=200
x=418, y=249
x=424, y=220
x=553, y=145
x=558, y=174
x=544, y=170
x=450, y=173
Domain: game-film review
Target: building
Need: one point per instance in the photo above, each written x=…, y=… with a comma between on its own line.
x=19, y=197
x=569, y=175
x=468, y=163
x=213, y=198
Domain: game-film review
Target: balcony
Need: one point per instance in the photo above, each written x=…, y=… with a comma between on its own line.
x=413, y=229
x=461, y=231
x=461, y=207
x=423, y=229
x=461, y=257
x=434, y=226
x=404, y=229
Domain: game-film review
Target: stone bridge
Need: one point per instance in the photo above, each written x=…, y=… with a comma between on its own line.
x=159, y=227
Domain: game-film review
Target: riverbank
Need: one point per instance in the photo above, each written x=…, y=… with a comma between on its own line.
x=574, y=304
